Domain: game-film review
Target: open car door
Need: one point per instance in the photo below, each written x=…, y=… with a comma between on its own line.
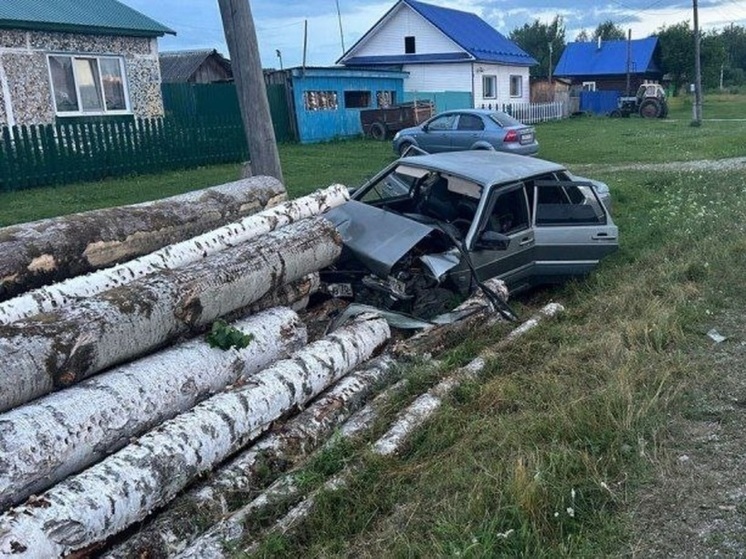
x=573, y=230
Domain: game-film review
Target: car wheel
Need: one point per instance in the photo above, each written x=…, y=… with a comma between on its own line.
x=378, y=131
x=404, y=146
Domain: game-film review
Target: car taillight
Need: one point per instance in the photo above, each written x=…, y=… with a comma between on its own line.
x=511, y=136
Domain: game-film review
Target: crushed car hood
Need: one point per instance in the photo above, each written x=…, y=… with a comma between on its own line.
x=377, y=238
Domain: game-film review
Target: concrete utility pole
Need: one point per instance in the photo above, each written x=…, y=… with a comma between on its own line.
x=697, y=107
x=240, y=35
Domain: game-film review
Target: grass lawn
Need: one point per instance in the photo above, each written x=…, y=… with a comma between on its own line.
x=308, y=167
x=547, y=454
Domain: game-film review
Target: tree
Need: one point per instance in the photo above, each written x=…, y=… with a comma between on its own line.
x=734, y=42
x=677, y=52
x=582, y=37
x=535, y=40
x=714, y=56
x=609, y=31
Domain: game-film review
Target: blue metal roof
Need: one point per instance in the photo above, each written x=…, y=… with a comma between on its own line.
x=586, y=59
x=481, y=41
x=107, y=17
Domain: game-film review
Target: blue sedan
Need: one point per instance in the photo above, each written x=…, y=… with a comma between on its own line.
x=469, y=129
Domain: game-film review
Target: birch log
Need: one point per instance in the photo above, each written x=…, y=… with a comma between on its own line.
x=68, y=345
x=172, y=530
x=100, y=416
x=150, y=472
x=55, y=296
x=234, y=527
x=42, y=252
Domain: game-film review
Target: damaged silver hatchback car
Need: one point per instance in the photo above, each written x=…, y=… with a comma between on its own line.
x=430, y=228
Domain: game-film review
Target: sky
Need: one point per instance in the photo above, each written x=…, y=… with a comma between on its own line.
x=280, y=23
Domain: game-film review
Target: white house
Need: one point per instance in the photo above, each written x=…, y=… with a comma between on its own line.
x=454, y=58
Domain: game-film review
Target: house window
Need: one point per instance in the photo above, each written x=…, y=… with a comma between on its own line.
x=409, y=46
x=357, y=99
x=320, y=100
x=88, y=85
x=589, y=86
x=489, y=87
x=516, y=86
x=385, y=99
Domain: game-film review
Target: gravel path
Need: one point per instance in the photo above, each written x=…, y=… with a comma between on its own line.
x=730, y=164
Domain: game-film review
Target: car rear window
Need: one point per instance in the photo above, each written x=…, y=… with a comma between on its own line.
x=505, y=120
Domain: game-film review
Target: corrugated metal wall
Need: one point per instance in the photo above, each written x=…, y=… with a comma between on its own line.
x=598, y=102
x=325, y=121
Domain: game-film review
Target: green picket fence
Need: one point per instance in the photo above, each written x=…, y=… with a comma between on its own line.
x=67, y=152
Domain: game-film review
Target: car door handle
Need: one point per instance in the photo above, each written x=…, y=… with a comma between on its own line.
x=603, y=236
x=526, y=241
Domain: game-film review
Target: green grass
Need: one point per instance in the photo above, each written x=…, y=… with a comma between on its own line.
x=308, y=167
x=543, y=457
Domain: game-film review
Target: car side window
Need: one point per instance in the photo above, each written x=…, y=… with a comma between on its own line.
x=470, y=122
x=567, y=204
x=444, y=122
x=510, y=212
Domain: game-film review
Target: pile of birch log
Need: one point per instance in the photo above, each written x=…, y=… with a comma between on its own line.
x=119, y=423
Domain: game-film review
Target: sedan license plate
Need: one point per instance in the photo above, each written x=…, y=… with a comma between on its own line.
x=527, y=138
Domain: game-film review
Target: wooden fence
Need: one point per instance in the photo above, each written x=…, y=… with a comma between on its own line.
x=32, y=156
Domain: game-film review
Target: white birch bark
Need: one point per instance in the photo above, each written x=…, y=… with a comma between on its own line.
x=150, y=472
x=232, y=529
x=101, y=415
x=171, y=531
x=42, y=252
x=294, y=295
x=58, y=295
x=70, y=344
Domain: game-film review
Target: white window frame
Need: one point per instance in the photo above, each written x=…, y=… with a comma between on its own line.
x=519, y=81
x=589, y=86
x=97, y=58
x=493, y=79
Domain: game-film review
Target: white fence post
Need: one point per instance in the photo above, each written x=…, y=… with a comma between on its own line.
x=531, y=113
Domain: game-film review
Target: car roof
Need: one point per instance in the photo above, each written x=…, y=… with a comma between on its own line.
x=484, y=167
x=485, y=112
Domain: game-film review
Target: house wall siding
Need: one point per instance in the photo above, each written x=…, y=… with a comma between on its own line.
x=502, y=75
x=438, y=77
x=23, y=56
x=389, y=38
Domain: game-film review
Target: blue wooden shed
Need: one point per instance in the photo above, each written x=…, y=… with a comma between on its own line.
x=325, y=103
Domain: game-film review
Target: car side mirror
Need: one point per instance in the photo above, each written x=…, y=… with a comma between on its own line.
x=492, y=240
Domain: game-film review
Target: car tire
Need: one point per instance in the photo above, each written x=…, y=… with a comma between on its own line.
x=404, y=146
x=378, y=131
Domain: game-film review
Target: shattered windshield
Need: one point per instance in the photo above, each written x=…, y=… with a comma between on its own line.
x=397, y=184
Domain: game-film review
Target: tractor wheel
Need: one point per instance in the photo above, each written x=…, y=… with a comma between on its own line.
x=664, y=110
x=616, y=113
x=378, y=131
x=650, y=108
